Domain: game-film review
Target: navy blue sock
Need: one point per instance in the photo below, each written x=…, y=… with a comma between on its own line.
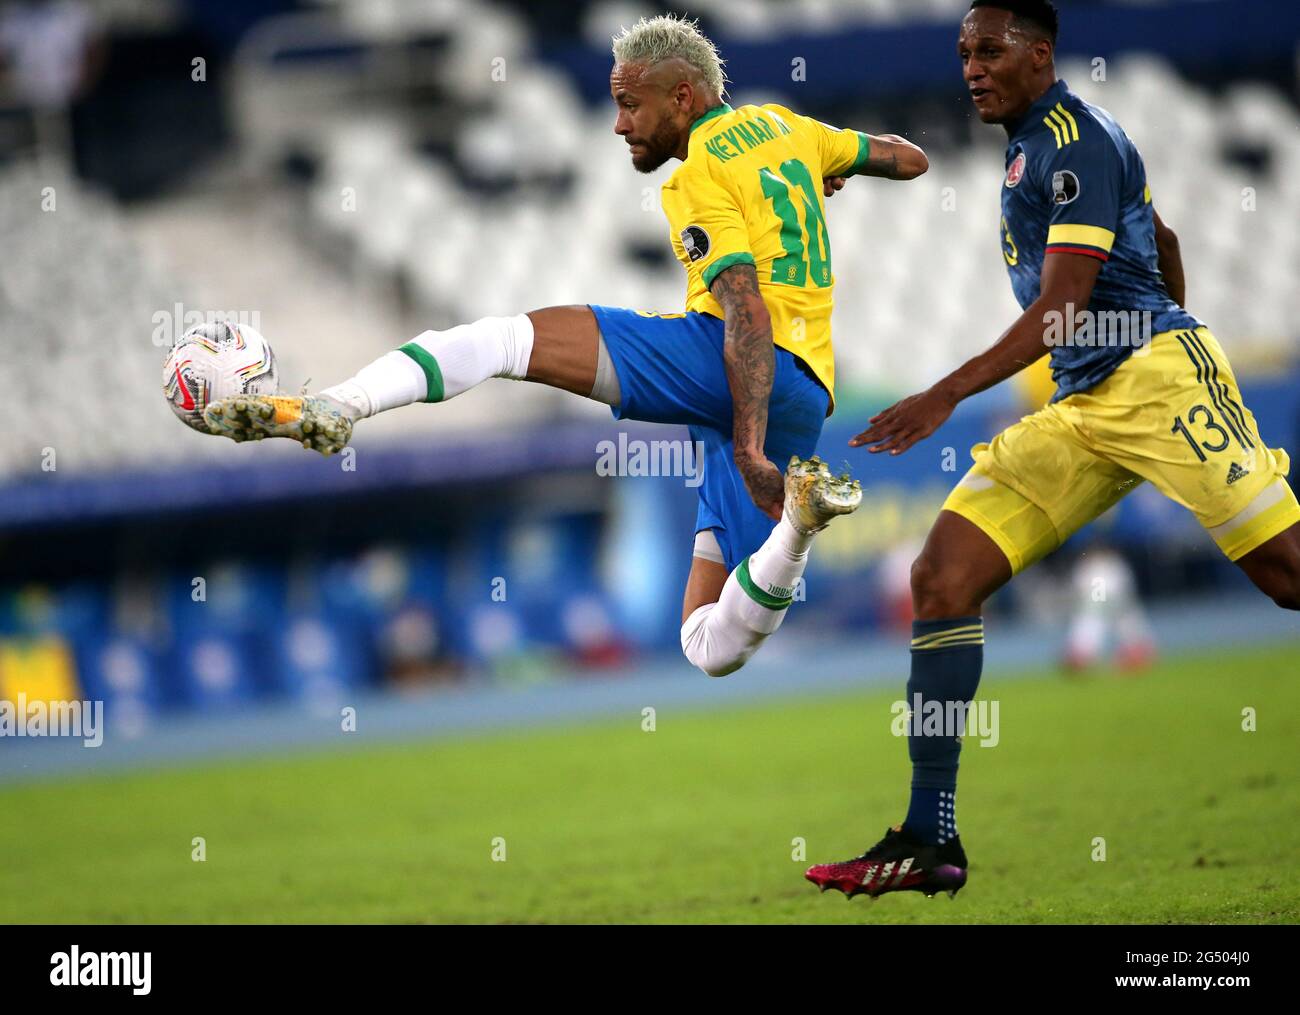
x=947, y=656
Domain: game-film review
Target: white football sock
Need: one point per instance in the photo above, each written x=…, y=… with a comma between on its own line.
x=778, y=563
x=438, y=365
x=392, y=380
x=720, y=637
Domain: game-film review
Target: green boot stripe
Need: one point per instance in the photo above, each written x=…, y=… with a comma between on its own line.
x=757, y=594
x=432, y=374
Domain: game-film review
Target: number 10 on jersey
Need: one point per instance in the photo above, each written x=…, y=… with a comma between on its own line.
x=807, y=248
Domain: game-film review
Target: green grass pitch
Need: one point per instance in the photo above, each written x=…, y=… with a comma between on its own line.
x=696, y=821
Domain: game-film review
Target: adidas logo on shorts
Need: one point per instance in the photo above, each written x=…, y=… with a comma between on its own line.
x=1235, y=472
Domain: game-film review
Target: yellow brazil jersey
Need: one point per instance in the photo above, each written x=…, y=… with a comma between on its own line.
x=750, y=192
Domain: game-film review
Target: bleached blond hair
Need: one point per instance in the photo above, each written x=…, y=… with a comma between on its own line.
x=653, y=40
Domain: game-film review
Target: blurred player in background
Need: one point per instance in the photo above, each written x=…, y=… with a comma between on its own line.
x=1078, y=231
x=1105, y=601
x=748, y=368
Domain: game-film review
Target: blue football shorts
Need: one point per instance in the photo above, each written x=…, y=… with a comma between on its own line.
x=670, y=370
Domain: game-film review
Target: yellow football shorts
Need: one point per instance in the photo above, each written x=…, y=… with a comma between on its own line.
x=1171, y=414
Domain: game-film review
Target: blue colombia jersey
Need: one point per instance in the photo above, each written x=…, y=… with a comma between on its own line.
x=1075, y=183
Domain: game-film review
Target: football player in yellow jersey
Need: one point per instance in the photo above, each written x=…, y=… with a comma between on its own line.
x=748, y=367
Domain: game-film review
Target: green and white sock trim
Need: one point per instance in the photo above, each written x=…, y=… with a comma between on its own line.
x=438, y=365
x=432, y=373
x=463, y=357
x=772, y=597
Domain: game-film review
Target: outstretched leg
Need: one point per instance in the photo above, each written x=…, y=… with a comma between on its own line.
x=569, y=353
x=557, y=346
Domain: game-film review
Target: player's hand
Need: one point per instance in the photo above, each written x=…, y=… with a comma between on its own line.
x=906, y=422
x=765, y=483
x=831, y=184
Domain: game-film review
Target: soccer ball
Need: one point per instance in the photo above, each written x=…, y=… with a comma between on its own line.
x=214, y=361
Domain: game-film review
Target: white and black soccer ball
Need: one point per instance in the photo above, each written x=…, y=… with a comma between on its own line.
x=214, y=361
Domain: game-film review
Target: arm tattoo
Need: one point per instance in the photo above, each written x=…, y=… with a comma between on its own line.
x=884, y=158
x=882, y=163
x=748, y=353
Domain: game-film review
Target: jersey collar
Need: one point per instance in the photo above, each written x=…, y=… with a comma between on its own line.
x=1037, y=111
x=716, y=111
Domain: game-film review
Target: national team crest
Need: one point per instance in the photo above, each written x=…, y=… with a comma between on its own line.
x=1016, y=170
x=696, y=242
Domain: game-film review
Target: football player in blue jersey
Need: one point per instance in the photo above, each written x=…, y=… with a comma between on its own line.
x=1144, y=392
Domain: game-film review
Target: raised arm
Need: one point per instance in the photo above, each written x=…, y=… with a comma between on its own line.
x=1170, y=260
x=893, y=157
x=888, y=156
x=751, y=363
x=1067, y=282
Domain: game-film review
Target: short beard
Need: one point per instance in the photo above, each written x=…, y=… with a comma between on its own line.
x=659, y=148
